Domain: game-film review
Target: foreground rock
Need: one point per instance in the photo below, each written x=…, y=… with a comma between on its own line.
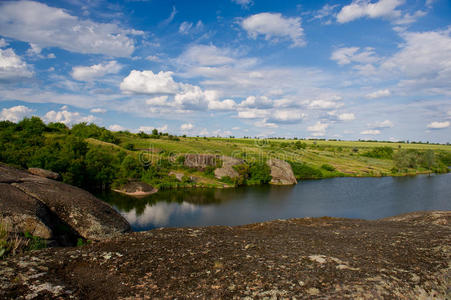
x=281, y=172
x=47, y=207
x=137, y=189
x=311, y=258
x=227, y=169
x=44, y=173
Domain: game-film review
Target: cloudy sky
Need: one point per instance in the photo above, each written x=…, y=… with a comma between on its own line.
x=351, y=69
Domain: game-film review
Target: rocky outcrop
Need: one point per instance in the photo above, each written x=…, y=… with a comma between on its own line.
x=136, y=189
x=44, y=173
x=227, y=167
x=281, y=172
x=44, y=206
x=311, y=258
x=201, y=161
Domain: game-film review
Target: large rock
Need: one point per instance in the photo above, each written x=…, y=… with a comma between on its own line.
x=281, y=172
x=136, y=189
x=83, y=214
x=227, y=167
x=44, y=173
x=201, y=161
x=22, y=213
x=310, y=258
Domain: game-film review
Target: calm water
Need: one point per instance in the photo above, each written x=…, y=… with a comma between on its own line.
x=366, y=198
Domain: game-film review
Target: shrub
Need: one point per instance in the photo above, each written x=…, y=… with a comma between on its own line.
x=259, y=173
x=328, y=167
x=304, y=171
x=380, y=152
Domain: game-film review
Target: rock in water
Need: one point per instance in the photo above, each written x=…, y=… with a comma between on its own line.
x=41, y=198
x=136, y=189
x=281, y=172
x=227, y=167
x=44, y=173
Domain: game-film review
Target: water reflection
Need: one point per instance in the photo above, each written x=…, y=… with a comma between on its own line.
x=367, y=198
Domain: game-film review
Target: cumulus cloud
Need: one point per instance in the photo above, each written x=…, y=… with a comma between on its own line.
x=227, y=104
x=186, y=126
x=382, y=124
x=347, y=55
x=318, y=129
x=257, y=102
x=346, y=117
x=12, y=66
x=438, y=125
x=88, y=73
x=46, y=26
x=67, y=117
x=252, y=113
x=146, y=82
x=206, y=55
x=286, y=116
x=116, y=127
x=3, y=43
x=379, y=94
x=424, y=60
x=98, y=110
x=15, y=113
x=274, y=26
x=370, y=132
x=324, y=104
x=364, y=8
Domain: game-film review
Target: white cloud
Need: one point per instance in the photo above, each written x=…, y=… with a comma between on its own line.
x=146, y=82
x=12, y=66
x=265, y=124
x=424, y=61
x=371, y=132
x=186, y=126
x=257, y=102
x=346, y=117
x=347, y=55
x=381, y=125
x=438, y=125
x=98, y=110
x=379, y=94
x=206, y=55
x=15, y=113
x=253, y=113
x=153, y=58
x=227, y=104
x=286, y=116
x=324, y=104
x=46, y=26
x=67, y=117
x=116, y=127
x=364, y=8
x=88, y=73
x=318, y=129
x=243, y=3
x=188, y=27
x=3, y=43
x=326, y=11
x=185, y=27
x=275, y=27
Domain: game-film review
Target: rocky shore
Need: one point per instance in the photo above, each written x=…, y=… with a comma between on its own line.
x=404, y=257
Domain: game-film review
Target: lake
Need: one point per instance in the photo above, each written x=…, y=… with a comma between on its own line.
x=365, y=198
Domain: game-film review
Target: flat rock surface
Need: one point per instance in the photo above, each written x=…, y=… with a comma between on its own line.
x=314, y=258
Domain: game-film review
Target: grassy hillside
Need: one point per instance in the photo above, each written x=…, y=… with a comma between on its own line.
x=95, y=158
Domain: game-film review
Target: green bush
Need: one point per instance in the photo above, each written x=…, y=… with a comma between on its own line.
x=380, y=152
x=328, y=167
x=259, y=173
x=304, y=171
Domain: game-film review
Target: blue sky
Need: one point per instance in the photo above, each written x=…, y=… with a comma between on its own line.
x=352, y=69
